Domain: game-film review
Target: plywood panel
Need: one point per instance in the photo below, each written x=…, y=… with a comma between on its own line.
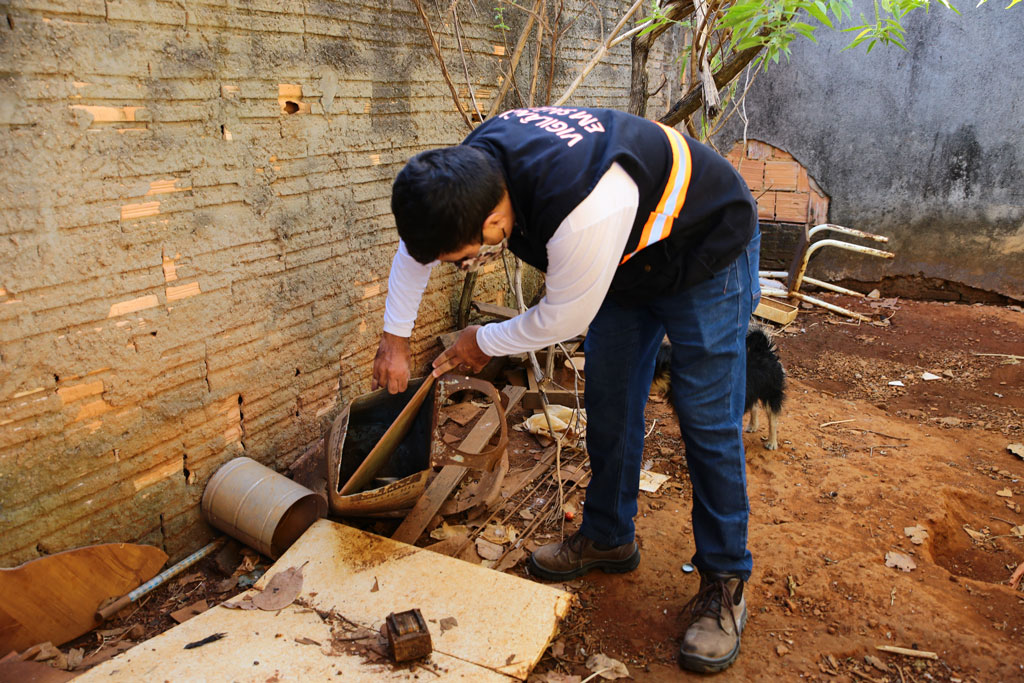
x=504, y=622
x=259, y=646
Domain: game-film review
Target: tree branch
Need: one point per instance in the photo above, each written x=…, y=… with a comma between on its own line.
x=440, y=60
x=694, y=99
x=516, y=54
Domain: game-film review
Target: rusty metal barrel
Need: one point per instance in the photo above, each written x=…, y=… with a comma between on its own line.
x=261, y=508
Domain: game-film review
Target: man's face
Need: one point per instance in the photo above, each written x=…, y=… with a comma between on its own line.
x=472, y=257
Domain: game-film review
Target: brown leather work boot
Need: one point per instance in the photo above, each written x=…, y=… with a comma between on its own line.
x=576, y=555
x=715, y=618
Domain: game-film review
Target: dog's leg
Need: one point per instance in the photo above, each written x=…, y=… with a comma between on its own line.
x=754, y=423
x=773, y=431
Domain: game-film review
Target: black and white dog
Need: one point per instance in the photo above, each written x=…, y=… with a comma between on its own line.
x=766, y=380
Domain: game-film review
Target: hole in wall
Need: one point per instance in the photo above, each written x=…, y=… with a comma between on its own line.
x=10, y=22
x=297, y=372
x=184, y=466
x=152, y=334
x=290, y=107
x=56, y=378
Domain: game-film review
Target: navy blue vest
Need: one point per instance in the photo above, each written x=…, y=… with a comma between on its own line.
x=695, y=215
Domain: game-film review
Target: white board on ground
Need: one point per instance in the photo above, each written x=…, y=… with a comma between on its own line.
x=504, y=623
x=261, y=646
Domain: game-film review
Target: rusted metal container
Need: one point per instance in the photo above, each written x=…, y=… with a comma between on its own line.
x=261, y=508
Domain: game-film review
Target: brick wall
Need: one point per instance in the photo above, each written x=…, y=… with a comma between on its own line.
x=787, y=198
x=196, y=236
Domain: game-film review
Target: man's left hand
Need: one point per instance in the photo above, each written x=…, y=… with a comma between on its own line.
x=464, y=352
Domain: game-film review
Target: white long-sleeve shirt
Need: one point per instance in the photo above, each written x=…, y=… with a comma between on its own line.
x=583, y=254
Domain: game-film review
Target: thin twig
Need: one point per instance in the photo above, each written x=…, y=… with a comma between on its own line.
x=837, y=422
x=516, y=54
x=440, y=60
x=888, y=436
x=536, y=57
x=465, y=66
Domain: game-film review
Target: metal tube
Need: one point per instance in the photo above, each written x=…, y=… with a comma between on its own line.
x=846, y=231
x=125, y=600
x=799, y=275
x=831, y=307
x=830, y=286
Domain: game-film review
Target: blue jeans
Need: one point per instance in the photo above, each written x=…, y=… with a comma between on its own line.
x=707, y=325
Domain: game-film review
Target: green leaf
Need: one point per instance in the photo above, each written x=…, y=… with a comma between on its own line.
x=817, y=10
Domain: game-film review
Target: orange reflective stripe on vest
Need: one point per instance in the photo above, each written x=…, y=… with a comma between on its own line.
x=659, y=224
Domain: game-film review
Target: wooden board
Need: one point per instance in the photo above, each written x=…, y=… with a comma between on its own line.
x=261, y=646
x=445, y=482
x=55, y=598
x=504, y=623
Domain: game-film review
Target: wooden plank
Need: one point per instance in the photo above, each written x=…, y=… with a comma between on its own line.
x=445, y=482
x=55, y=598
x=502, y=312
x=345, y=564
x=429, y=503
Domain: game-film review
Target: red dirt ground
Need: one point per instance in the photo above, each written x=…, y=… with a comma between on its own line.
x=825, y=509
x=833, y=500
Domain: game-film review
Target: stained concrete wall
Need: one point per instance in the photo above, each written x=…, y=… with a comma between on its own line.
x=924, y=145
x=195, y=237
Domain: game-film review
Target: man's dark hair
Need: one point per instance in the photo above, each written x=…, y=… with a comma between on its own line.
x=442, y=198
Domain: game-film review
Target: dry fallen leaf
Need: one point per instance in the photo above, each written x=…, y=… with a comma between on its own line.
x=1018, y=531
x=555, y=677
x=1005, y=493
x=462, y=413
x=241, y=603
x=186, y=613
x=445, y=531
x=976, y=535
x=1017, y=449
x=900, y=561
x=606, y=667
x=917, y=534
x=876, y=662
x=303, y=640
x=448, y=623
x=488, y=550
x=282, y=590
x=75, y=656
x=499, y=534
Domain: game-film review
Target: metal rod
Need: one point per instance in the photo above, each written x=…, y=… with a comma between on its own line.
x=831, y=307
x=798, y=276
x=832, y=287
x=846, y=231
x=113, y=608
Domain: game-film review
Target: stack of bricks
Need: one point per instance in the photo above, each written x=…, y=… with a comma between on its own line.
x=784, y=191
x=786, y=195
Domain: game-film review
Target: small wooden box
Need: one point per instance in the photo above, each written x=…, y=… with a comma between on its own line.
x=408, y=636
x=780, y=312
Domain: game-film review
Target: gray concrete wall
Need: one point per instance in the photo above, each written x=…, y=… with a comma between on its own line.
x=924, y=145
x=191, y=268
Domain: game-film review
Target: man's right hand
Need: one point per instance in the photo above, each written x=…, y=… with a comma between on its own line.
x=391, y=364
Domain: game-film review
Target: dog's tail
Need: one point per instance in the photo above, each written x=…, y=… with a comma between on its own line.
x=759, y=341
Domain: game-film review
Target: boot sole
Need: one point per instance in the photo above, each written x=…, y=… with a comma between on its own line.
x=704, y=665
x=608, y=566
